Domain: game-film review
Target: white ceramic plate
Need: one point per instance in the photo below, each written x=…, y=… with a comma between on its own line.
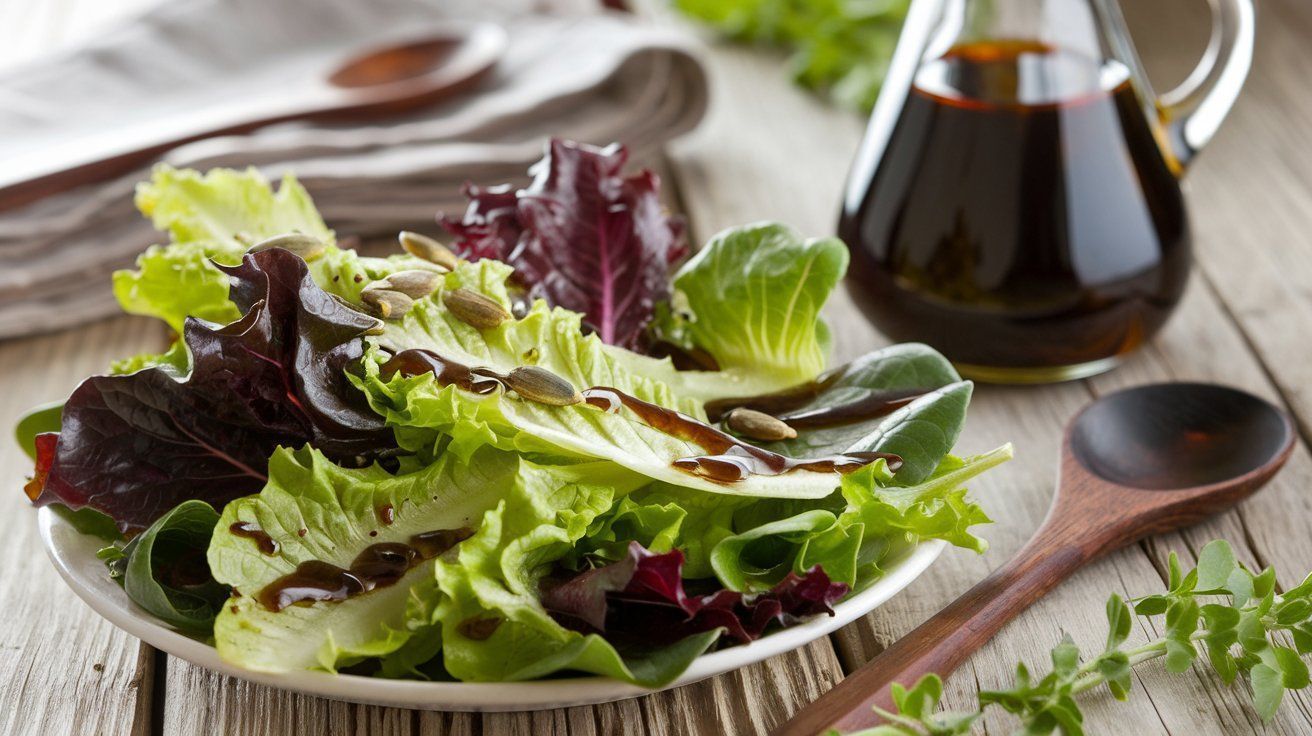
x=74, y=555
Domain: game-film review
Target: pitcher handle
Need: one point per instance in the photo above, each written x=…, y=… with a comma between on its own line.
x=1194, y=110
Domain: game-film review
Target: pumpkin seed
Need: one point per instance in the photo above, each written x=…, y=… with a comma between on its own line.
x=307, y=247
x=375, y=329
x=416, y=283
x=758, y=426
x=475, y=309
x=422, y=246
x=543, y=386
x=386, y=303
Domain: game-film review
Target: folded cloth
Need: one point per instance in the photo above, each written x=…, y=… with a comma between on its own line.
x=589, y=76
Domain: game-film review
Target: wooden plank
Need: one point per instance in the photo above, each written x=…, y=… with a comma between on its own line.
x=63, y=669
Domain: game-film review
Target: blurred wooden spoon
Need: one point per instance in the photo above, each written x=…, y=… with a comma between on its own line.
x=378, y=82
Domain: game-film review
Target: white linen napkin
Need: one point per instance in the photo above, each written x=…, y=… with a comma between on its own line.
x=568, y=72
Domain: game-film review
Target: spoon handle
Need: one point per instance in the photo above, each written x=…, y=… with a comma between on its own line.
x=944, y=641
x=46, y=171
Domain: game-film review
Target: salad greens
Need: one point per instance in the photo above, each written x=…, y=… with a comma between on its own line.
x=135, y=445
x=582, y=235
x=1220, y=611
x=163, y=569
x=437, y=523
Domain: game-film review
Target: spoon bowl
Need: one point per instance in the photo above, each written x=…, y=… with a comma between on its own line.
x=1141, y=461
x=1178, y=435
x=398, y=77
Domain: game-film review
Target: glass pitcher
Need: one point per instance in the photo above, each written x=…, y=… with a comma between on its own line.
x=1016, y=201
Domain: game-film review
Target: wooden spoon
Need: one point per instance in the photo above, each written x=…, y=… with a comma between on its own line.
x=1142, y=461
x=382, y=81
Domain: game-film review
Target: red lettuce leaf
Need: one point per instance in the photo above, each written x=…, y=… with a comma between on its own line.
x=640, y=601
x=134, y=446
x=582, y=236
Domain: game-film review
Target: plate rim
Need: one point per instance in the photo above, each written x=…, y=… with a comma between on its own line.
x=68, y=549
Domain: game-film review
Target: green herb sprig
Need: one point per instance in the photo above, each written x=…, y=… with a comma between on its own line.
x=841, y=47
x=1219, y=611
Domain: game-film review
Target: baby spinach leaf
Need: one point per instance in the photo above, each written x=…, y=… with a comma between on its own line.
x=166, y=573
x=921, y=433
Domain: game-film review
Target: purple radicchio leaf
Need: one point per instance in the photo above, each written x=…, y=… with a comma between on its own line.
x=134, y=446
x=640, y=602
x=582, y=236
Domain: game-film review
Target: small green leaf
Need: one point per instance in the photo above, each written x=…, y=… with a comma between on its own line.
x=1115, y=669
x=1265, y=583
x=1293, y=671
x=1240, y=586
x=1182, y=619
x=1222, y=661
x=1067, y=714
x=1219, y=619
x=1302, y=590
x=1252, y=634
x=1179, y=655
x=1153, y=605
x=1291, y=612
x=1174, y=576
x=1267, y=690
x=952, y=723
x=1066, y=657
x=1215, y=564
x=1118, y=622
x=166, y=572
x=1302, y=640
x=922, y=699
x=38, y=420
x=90, y=521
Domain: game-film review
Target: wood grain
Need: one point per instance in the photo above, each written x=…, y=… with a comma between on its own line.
x=770, y=151
x=63, y=669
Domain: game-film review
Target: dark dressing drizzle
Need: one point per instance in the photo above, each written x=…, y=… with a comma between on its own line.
x=261, y=538
x=793, y=397
x=386, y=514
x=872, y=406
x=377, y=566
x=417, y=361
x=786, y=404
x=728, y=458
x=684, y=359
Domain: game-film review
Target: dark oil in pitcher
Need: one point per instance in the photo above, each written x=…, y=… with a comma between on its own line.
x=1022, y=219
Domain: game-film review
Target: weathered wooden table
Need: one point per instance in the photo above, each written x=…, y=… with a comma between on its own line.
x=771, y=151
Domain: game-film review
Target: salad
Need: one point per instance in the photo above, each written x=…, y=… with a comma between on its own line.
x=557, y=445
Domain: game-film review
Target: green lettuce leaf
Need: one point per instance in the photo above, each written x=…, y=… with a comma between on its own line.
x=662, y=517
x=175, y=360
x=752, y=299
x=341, y=512
x=226, y=207
x=751, y=544
x=423, y=411
x=494, y=627
x=38, y=420
x=922, y=433
x=215, y=217
x=164, y=569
